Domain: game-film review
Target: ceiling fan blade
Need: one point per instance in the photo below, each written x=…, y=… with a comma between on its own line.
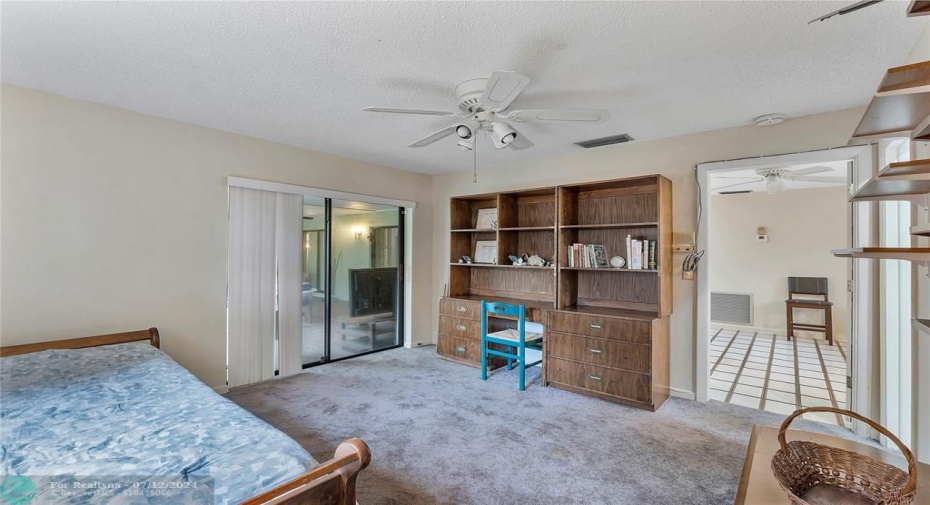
x=520, y=142
x=737, y=184
x=429, y=139
x=846, y=10
x=811, y=170
x=570, y=115
x=502, y=89
x=736, y=177
x=410, y=111
x=808, y=178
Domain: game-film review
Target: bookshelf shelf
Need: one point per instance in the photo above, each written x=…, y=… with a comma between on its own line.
x=611, y=270
x=608, y=226
x=922, y=324
x=918, y=8
x=529, y=228
x=891, y=188
x=491, y=265
x=900, y=107
x=916, y=169
x=475, y=230
x=890, y=253
x=922, y=230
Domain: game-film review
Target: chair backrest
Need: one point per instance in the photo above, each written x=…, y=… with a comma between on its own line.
x=808, y=286
x=500, y=308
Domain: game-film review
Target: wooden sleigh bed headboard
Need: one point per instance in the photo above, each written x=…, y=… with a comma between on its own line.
x=329, y=483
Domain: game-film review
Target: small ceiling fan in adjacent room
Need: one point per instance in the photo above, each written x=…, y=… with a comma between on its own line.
x=483, y=105
x=775, y=178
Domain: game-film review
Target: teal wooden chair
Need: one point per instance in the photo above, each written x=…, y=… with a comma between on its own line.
x=524, y=348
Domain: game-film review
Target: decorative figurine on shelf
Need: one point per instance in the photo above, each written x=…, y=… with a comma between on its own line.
x=516, y=260
x=535, y=261
x=465, y=260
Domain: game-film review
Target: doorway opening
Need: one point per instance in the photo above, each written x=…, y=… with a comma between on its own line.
x=768, y=226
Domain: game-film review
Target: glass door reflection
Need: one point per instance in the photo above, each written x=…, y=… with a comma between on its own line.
x=313, y=309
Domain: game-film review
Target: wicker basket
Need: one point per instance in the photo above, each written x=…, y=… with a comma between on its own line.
x=799, y=466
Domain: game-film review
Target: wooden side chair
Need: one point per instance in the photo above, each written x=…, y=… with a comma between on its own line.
x=810, y=286
x=524, y=348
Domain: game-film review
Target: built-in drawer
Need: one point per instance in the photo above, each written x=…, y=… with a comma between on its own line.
x=629, y=330
x=467, y=351
x=460, y=327
x=630, y=385
x=600, y=351
x=468, y=309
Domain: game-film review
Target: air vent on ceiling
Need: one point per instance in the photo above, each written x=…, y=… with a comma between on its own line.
x=605, y=141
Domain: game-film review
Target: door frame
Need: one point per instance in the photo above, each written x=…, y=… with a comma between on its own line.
x=861, y=321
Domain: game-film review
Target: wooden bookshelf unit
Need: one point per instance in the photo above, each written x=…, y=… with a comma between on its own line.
x=606, y=328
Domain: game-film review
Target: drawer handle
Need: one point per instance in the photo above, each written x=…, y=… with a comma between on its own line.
x=462, y=309
x=460, y=348
x=461, y=327
x=595, y=378
x=595, y=351
x=596, y=326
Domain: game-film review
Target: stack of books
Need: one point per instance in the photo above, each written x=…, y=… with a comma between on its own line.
x=641, y=253
x=587, y=256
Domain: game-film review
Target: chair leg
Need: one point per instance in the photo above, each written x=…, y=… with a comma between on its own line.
x=521, y=362
x=790, y=320
x=484, y=359
x=828, y=322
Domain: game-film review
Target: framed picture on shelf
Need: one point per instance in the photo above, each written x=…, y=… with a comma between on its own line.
x=600, y=256
x=486, y=251
x=487, y=219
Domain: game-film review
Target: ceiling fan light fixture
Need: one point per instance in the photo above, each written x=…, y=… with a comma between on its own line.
x=503, y=134
x=774, y=184
x=464, y=132
x=769, y=119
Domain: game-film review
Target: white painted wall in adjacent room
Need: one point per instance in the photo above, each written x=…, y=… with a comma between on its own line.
x=803, y=226
x=114, y=221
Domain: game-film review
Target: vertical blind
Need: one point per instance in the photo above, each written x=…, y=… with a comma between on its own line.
x=264, y=268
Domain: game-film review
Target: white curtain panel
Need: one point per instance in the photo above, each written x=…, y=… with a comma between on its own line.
x=251, y=285
x=288, y=249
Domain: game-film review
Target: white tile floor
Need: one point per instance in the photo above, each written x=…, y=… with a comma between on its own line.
x=766, y=371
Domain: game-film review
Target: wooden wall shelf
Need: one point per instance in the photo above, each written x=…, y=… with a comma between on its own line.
x=889, y=253
x=914, y=169
x=891, y=188
x=900, y=106
x=922, y=230
x=922, y=324
x=607, y=226
x=918, y=8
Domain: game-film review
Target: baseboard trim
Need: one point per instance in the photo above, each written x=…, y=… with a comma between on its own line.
x=681, y=393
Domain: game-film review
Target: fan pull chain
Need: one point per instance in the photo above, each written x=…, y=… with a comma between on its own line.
x=474, y=150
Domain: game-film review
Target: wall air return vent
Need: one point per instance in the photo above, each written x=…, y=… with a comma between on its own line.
x=733, y=308
x=605, y=141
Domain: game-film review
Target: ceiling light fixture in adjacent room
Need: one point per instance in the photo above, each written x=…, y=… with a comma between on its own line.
x=774, y=184
x=769, y=119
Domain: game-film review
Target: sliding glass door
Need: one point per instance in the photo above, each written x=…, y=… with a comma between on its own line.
x=353, y=279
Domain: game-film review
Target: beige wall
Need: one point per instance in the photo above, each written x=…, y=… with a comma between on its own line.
x=114, y=220
x=675, y=158
x=803, y=226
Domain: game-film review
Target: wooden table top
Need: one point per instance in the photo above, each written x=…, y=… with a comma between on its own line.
x=758, y=486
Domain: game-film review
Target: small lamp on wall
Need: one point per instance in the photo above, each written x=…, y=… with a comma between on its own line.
x=358, y=230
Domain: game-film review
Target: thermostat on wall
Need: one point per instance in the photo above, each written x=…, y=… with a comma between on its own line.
x=761, y=236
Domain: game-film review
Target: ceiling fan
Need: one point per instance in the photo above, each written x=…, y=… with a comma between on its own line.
x=774, y=178
x=483, y=105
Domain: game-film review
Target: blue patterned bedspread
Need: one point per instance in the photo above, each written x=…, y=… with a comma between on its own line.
x=126, y=424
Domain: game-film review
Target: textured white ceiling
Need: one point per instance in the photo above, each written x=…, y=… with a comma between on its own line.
x=299, y=73
x=719, y=180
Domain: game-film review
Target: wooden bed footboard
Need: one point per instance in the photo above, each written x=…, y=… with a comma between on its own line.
x=330, y=483
x=150, y=334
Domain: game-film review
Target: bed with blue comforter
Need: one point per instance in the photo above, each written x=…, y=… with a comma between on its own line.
x=126, y=424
